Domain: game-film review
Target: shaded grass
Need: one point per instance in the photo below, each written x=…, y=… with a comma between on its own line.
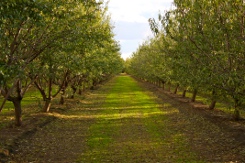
x=224, y=105
x=32, y=103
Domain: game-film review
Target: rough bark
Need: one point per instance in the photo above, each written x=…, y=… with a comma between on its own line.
x=18, y=111
x=47, y=105
x=17, y=104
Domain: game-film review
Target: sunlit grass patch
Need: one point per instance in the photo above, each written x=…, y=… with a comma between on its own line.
x=131, y=125
x=8, y=107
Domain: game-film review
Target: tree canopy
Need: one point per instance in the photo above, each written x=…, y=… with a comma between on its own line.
x=199, y=45
x=54, y=44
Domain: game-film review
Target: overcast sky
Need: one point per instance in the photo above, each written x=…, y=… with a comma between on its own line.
x=130, y=18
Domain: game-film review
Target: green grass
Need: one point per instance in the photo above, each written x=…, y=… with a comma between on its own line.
x=131, y=127
x=30, y=98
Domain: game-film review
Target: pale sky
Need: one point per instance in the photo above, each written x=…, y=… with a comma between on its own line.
x=130, y=18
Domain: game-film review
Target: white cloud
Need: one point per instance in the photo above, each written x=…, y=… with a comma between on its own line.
x=131, y=21
x=126, y=55
x=136, y=10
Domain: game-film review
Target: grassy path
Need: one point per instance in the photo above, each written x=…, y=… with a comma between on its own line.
x=132, y=127
x=125, y=123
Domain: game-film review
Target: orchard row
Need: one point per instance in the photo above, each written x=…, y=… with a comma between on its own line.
x=53, y=45
x=199, y=45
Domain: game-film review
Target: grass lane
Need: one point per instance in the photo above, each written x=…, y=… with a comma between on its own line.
x=132, y=127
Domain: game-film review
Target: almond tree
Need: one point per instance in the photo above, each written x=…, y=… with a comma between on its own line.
x=22, y=40
x=204, y=41
x=40, y=39
x=216, y=30
x=90, y=34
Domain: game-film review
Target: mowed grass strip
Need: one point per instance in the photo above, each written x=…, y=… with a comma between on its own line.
x=132, y=127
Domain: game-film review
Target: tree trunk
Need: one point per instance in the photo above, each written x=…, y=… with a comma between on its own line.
x=38, y=86
x=176, y=89
x=193, y=99
x=74, y=89
x=80, y=91
x=62, y=97
x=18, y=111
x=236, y=114
x=212, y=105
x=184, y=93
x=163, y=85
x=47, y=105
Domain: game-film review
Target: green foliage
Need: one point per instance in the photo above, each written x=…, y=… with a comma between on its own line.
x=200, y=46
x=55, y=44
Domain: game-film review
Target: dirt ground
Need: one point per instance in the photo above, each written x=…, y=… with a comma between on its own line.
x=60, y=136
